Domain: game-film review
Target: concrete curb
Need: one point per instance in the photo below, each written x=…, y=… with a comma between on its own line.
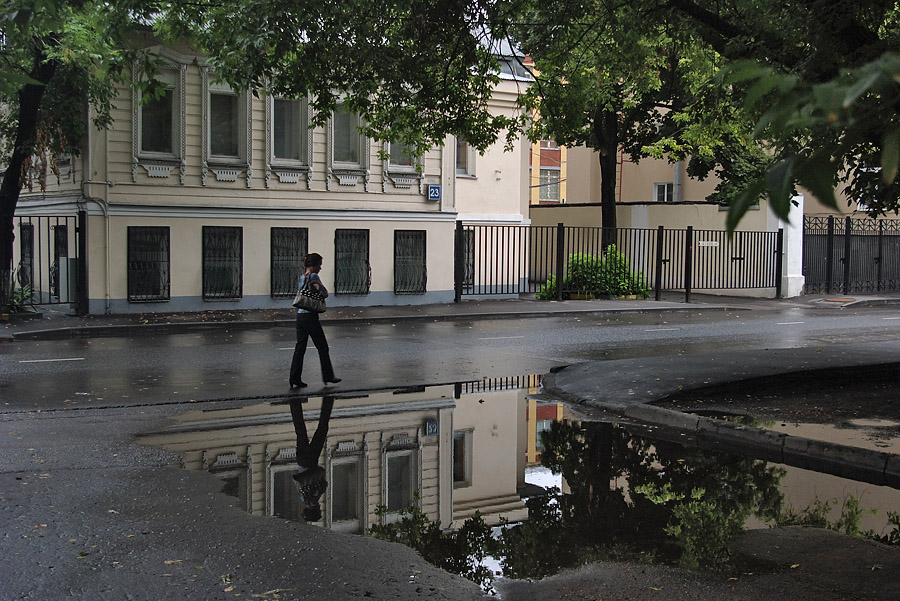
x=132, y=329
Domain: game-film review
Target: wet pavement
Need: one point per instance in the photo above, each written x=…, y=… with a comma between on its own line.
x=90, y=514
x=56, y=322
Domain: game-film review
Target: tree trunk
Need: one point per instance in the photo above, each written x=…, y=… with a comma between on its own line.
x=606, y=140
x=29, y=100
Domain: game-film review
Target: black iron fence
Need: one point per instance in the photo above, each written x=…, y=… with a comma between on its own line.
x=849, y=255
x=512, y=259
x=49, y=260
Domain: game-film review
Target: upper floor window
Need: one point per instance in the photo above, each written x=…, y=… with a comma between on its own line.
x=226, y=131
x=158, y=117
x=348, y=144
x=158, y=120
x=549, y=144
x=225, y=119
x=663, y=192
x=401, y=155
x=465, y=157
x=549, y=185
x=290, y=131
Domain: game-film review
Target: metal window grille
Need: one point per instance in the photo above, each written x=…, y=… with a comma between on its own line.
x=25, y=272
x=223, y=265
x=352, y=274
x=148, y=264
x=410, y=273
x=289, y=248
x=549, y=185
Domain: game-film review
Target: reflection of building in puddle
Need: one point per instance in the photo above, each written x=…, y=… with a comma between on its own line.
x=451, y=450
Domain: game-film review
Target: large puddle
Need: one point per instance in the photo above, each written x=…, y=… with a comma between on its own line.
x=503, y=481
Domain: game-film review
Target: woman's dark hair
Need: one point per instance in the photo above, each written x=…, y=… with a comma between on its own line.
x=312, y=260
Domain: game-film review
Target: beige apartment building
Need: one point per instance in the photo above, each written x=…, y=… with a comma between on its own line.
x=208, y=198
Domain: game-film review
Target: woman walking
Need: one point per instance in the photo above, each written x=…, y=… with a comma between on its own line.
x=308, y=326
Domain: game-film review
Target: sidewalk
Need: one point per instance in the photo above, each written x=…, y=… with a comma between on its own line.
x=57, y=323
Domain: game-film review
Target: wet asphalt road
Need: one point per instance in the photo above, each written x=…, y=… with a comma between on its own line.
x=53, y=375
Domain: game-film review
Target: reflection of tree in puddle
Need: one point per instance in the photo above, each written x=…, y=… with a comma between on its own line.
x=692, y=502
x=624, y=497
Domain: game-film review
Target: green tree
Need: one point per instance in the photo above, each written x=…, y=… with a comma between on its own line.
x=627, y=75
x=820, y=80
x=57, y=58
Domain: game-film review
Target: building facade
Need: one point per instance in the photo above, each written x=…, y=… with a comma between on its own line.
x=208, y=198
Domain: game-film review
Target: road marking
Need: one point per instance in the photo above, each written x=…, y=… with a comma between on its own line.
x=788, y=323
x=663, y=330
x=890, y=318
x=49, y=360
x=501, y=338
x=287, y=348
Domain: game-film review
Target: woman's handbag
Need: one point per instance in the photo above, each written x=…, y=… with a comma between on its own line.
x=308, y=298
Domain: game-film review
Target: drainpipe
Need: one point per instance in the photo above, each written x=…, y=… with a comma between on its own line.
x=676, y=181
x=104, y=206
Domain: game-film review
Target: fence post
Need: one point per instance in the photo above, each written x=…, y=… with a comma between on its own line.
x=779, y=259
x=458, y=260
x=560, y=251
x=657, y=285
x=829, y=255
x=688, y=262
x=81, y=278
x=879, y=285
x=847, y=255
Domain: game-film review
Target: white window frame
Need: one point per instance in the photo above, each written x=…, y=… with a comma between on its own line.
x=544, y=186
x=468, y=170
x=226, y=168
x=667, y=189
x=402, y=176
x=289, y=170
x=467, y=437
x=348, y=173
x=160, y=164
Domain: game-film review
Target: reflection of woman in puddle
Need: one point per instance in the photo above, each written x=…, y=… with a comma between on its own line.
x=310, y=479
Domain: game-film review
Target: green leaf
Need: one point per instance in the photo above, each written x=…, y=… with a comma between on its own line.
x=780, y=183
x=740, y=205
x=859, y=88
x=890, y=154
x=816, y=174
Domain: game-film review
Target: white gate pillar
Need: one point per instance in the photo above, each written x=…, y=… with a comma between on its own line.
x=792, y=279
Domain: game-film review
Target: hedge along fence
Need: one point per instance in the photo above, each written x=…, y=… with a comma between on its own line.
x=606, y=275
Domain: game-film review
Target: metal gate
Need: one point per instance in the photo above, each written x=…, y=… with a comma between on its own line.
x=49, y=260
x=850, y=255
x=514, y=259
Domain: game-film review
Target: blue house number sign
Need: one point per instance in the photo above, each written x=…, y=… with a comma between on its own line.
x=434, y=192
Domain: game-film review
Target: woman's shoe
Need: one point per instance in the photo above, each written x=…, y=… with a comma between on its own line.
x=333, y=381
x=299, y=384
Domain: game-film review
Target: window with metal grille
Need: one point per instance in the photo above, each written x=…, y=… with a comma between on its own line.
x=289, y=248
x=148, y=264
x=549, y=185
x=351, y=262
x=223, y=264
x=410, y=273
x=25, y=272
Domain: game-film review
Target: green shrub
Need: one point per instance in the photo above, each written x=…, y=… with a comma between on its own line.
x=603, y=275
